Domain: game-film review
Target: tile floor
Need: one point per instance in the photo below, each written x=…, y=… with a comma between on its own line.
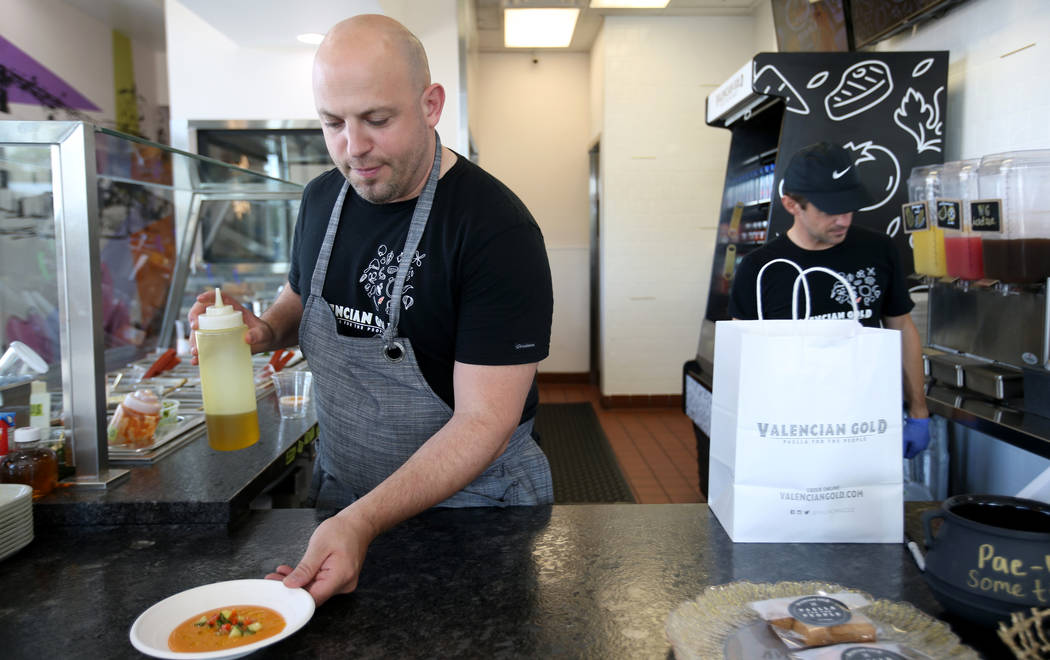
x=655, y=446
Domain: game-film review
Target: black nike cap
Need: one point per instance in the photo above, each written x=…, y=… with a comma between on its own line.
x=825, y=174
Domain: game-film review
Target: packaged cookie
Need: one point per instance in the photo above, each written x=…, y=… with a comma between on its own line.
x=818, y=619
x=873, y=651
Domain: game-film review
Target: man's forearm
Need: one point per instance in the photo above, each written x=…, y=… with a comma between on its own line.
x=451, y=459
x=282, y=318
x=911, y=358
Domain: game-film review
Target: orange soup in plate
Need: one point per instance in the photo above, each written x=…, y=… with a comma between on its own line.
x=225, y=628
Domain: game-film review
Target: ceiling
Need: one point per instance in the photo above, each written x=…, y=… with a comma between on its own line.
x=489, y=15
x=268, y=23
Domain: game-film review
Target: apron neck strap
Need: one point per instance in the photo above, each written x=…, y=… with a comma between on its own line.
x=408, y=254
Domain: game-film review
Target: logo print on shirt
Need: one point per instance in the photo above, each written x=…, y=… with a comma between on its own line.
x=864, y=285
x=380, y=274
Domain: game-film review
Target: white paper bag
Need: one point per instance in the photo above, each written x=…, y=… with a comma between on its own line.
x=806, y=430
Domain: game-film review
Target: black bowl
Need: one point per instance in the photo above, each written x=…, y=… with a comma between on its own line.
x=964, y=604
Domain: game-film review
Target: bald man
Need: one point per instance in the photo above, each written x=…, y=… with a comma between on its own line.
x=420, y=293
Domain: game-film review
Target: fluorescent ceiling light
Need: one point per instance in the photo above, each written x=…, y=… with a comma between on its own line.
x=629, y=4
x=310, y=38
x=538, y=28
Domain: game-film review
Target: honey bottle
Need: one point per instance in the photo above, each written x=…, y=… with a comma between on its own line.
x=30, y=462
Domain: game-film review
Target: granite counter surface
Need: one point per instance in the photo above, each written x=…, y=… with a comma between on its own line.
x=565, y=581
x=193, y=484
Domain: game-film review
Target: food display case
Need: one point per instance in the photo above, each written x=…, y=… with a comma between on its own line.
x=100, y=229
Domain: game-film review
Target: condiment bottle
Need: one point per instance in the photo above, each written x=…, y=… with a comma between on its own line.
x=135, y=420
x=30, y=462
x=39, y=405
x=227, y=383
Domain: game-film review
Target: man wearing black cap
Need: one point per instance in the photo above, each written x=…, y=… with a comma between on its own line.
x=822, y=190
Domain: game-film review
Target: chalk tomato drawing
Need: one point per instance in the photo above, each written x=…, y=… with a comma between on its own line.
x=878, y=168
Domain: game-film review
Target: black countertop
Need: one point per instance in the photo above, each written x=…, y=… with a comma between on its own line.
x=566, y=581
x=193, y=484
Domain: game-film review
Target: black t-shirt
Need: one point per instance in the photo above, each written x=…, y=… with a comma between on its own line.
x=868, y=260
x=479, y=287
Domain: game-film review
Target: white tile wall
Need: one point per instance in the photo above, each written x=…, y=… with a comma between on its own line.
x=662, y=169
x=997, y=101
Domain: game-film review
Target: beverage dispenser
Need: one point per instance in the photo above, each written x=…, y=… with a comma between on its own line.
x=1014, y=213
x=962, y=245
x=927, y=239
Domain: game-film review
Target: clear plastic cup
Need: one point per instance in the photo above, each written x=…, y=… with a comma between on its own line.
x=293, y=392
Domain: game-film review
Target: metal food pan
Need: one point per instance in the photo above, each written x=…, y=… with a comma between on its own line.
x=995, y=381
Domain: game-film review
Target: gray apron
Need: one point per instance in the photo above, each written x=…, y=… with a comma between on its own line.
x=374, y=407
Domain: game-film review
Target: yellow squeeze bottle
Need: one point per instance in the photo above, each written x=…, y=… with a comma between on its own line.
x=227, y=384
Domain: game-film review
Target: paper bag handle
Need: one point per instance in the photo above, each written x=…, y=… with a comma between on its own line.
x=802, y=277
x=758, y=285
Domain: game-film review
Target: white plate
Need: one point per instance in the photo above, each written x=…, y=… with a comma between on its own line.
x=16, y=517
x=16, y=541
x=8, y=551
x=151, y=630
x=10, y=493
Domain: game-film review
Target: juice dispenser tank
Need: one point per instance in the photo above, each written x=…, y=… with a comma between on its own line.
x=1014, y=213
x=962, y=246
x=924, y=185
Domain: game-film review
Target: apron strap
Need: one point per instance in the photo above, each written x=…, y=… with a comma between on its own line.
x=321, y=266
x=415, y=232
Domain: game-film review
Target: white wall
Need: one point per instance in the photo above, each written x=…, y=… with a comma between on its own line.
x=765, y=33
x=532, y=128
x=78, y=48
x=213, y=77
x=996, y=102
x=662, y=169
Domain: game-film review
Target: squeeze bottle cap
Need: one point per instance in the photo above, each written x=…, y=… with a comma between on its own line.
x=27, y=434
x=219, y=316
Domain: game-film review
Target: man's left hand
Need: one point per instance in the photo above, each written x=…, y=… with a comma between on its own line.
x=333, y=559
x=916, y=435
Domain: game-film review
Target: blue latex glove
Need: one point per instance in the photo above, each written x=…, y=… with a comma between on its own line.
x=916, y=435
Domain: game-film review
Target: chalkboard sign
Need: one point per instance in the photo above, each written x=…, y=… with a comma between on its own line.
x=949, y=214
x=985, y=215
x=810, y=26
x=873, y=20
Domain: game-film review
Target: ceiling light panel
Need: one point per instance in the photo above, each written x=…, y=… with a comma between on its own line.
x=539, y=28
x=629, y=4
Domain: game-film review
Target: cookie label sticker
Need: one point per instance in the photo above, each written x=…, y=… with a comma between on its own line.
x=916, y=216
x=870, y=653
x=819, y=611
x=986, y=215
x=949, y=214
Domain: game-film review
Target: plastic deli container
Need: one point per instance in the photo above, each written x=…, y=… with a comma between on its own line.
x=927, y=239
x=962, y=246
x=1014, y=214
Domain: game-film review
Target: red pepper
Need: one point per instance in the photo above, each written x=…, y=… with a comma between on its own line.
x=226, y=627
x=166, y=361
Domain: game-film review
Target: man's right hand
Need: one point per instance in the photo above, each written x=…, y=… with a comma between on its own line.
x=260, y=335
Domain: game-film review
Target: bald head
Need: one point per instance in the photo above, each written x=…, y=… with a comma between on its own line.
x=374, y=38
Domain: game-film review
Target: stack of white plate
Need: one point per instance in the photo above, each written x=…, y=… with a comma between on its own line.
x=16, y=518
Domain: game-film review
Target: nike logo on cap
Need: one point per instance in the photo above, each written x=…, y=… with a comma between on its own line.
x=838, y=175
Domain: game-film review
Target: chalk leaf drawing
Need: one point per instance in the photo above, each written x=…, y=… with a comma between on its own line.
x=894, y=226
x=922, y=67
x=817, y=80
x=864, y=85
x=921, y=120
x=771, y=82
x=876, y=165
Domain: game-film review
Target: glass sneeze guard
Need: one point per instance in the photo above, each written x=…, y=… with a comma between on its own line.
x=99, y=230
